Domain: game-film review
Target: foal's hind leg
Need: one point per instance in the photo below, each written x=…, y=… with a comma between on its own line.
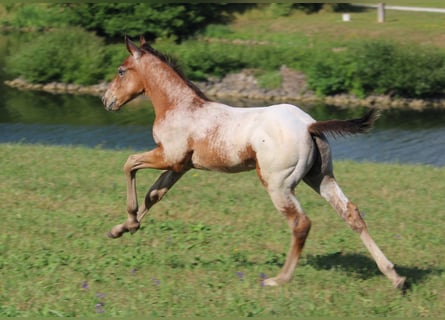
x=328, y=188
x=158, y=190
x=299, y=223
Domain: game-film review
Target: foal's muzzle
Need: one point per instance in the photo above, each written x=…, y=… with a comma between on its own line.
x=109, y=102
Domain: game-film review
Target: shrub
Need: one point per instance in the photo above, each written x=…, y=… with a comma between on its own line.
x=201, y=59
x=388, y=68
x=114, y=20
x=36, y=16
x=114, y=56
x=377, y=68
x=280, y=9
x=66, y=55
x=217, y=31
x=329, y=72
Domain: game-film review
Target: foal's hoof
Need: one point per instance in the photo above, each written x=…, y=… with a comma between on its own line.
x=399, y=283
x=270, y=283
x=273, y=282
x=117, y=231
x=120, y=229
x=113, y=236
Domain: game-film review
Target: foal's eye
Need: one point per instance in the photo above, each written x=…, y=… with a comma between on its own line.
x=121, y=71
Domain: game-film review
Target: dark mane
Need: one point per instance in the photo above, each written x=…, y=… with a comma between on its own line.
x=175, y=66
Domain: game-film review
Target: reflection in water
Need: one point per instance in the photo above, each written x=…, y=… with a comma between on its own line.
x=425, y=146
x=108, y=137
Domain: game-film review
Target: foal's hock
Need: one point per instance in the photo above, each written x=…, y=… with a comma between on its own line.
x=281, y=142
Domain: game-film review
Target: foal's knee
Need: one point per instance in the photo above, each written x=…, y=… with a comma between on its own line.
x=130, y=164
x=353, y=217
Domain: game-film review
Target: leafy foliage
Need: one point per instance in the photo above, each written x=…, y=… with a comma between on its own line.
x=361, y=68
x=201, y=59
x=328, y=72
x=399, y=70
x=32, y=16
x=74, y=55
x=154, y=20
x=67, y=55
x=379, y=67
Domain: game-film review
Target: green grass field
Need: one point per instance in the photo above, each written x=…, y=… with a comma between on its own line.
x=205, y=248
x=327, y=28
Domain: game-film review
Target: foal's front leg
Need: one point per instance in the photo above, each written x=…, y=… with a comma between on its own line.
x=153, y=159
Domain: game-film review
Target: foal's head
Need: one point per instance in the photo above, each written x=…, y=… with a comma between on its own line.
x=128, y=83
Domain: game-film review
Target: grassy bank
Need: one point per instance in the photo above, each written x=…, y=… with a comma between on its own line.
x=414, y=28
x=206, y=246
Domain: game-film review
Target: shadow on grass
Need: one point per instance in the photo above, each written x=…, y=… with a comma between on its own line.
x=365, y=268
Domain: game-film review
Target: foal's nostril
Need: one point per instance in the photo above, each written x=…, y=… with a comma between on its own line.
x=110, y=106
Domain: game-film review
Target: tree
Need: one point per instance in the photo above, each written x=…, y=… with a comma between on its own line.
x=114, y=20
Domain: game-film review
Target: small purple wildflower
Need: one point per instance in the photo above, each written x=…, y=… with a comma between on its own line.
x=85, y=285
x=99, y=307
x=100, y=304
x=240, y=275
x=134, y=270
x=155, y=282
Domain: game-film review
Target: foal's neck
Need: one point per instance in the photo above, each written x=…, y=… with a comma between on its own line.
x=166, y=88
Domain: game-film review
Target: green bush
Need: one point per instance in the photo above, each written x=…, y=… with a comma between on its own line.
x=114, y=20
x=115, y=54
x=154, y=20
x=201, y=59
x=35, y=16
x=377, y=68
x=399, y=70
x=217, y=31
x=362, y=68
x=330, y=72
x=66, y=55
x=280, y=9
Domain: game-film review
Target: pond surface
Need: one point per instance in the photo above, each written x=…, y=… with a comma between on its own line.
x=39, y=117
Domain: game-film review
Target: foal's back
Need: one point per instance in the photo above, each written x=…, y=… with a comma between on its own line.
x=235, y=138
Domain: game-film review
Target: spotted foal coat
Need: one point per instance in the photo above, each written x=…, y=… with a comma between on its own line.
x=281, y=142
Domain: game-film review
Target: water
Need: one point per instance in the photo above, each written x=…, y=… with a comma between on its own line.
x=38, y=117
x=33, y=117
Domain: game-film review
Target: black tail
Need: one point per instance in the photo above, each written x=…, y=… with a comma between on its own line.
x=336, y=128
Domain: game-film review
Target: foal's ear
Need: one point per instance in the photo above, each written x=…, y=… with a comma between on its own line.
x=132, y=48
x=142, y=40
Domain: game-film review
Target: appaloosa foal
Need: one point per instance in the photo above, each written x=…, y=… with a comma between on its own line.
x=283, y=143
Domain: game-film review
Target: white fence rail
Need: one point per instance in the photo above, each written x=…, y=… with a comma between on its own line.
x=402, y=8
